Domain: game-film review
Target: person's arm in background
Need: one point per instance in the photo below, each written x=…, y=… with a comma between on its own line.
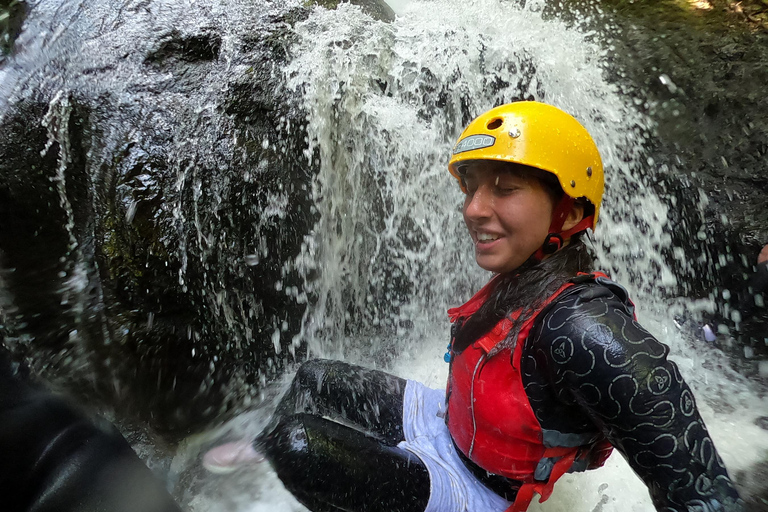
x=756, y=286
x=759, y=281
x=55, y=458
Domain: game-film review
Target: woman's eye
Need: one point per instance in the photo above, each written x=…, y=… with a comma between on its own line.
x=506, y=188
x=505, y=184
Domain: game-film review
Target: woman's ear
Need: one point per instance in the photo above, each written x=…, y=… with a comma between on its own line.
x=574, y=216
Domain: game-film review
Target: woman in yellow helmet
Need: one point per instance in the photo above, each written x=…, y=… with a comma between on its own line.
x=549, y=369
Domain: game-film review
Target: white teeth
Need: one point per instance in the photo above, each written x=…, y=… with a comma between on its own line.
x=486, y=237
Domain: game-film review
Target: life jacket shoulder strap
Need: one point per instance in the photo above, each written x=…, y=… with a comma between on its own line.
x=500, y=331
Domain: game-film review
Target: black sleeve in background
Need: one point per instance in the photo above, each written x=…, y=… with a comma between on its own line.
x=598, y=356
x=756, y=286
x=759, y=281
x=56, y=459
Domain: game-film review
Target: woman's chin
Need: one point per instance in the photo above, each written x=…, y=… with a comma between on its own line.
x=493, y=265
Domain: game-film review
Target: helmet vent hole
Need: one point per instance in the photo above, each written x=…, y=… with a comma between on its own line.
x=494, y=123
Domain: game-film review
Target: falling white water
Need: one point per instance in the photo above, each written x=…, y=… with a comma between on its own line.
x=389, y=255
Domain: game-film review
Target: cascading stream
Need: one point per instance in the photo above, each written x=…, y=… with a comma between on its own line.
x=389, y=253
x=191, y=134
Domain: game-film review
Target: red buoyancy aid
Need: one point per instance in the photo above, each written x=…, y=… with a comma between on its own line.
x=491, y=420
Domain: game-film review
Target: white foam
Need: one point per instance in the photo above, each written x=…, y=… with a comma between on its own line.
x=389, y=255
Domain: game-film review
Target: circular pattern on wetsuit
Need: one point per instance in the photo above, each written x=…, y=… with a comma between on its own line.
x=562, y=350
x=704, y=485
x=659, y=380
x=619, y=373
x=590, y=394
x=687, y=403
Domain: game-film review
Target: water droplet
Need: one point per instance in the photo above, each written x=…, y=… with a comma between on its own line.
x=129, y=214
x=665, y=80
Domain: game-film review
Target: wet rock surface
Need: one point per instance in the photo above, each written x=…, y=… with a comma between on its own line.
x=153, y=183
x=12, y=14
x=151, y=191
x=698, y=71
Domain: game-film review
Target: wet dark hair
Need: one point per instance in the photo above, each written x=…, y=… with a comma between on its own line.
x=528, y=286
x=525, y=289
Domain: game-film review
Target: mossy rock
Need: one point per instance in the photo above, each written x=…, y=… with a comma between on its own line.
x=12, y=14
x=377, y=9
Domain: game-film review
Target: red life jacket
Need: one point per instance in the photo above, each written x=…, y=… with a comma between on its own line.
x=490, y=418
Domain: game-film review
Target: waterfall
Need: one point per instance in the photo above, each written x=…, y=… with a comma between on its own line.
x=387, y=102
x=184, y=95
x=389, y=253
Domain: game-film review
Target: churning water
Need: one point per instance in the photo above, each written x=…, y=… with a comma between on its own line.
x=389, y=254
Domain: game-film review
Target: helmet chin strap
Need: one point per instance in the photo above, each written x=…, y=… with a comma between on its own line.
x=556, y=236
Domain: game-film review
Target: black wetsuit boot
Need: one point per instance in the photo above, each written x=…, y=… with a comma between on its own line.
x=336, y=430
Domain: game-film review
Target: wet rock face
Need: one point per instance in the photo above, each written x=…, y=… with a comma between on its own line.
x=700, y=75
x=152, y=189
x=698, y=72
x=377, y=9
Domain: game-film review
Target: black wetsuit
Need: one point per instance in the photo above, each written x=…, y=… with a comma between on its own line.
x=752, y=303
x=590, y=363
x=745, y=312
x=54, y=458
x=587, y=364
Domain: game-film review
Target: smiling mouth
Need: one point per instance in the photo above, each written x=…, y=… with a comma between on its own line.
x=486, y=237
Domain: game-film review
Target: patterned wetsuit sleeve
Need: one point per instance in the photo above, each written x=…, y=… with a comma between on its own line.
x=598, y=357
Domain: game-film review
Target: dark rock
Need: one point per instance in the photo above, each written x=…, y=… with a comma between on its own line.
x=700, y=76
x=12, y=14
x=150, y=196
x=377, y=9
x=177, y=47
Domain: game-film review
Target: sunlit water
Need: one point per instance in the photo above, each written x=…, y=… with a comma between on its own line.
x=385, y=103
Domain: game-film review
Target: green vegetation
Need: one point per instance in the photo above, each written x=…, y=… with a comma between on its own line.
x=715, y=14
x=12, y=14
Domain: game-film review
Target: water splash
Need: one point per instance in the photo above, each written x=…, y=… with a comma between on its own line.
x=389, y=254
x=386, y=103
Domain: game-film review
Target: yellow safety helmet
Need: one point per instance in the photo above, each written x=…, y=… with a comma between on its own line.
x=537, y=135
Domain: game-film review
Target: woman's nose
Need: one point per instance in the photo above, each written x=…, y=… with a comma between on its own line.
x=478, y=205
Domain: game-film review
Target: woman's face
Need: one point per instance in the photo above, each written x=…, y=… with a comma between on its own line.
x=508, y=214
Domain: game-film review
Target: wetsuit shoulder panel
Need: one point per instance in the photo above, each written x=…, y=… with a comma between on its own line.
x=589, y=357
